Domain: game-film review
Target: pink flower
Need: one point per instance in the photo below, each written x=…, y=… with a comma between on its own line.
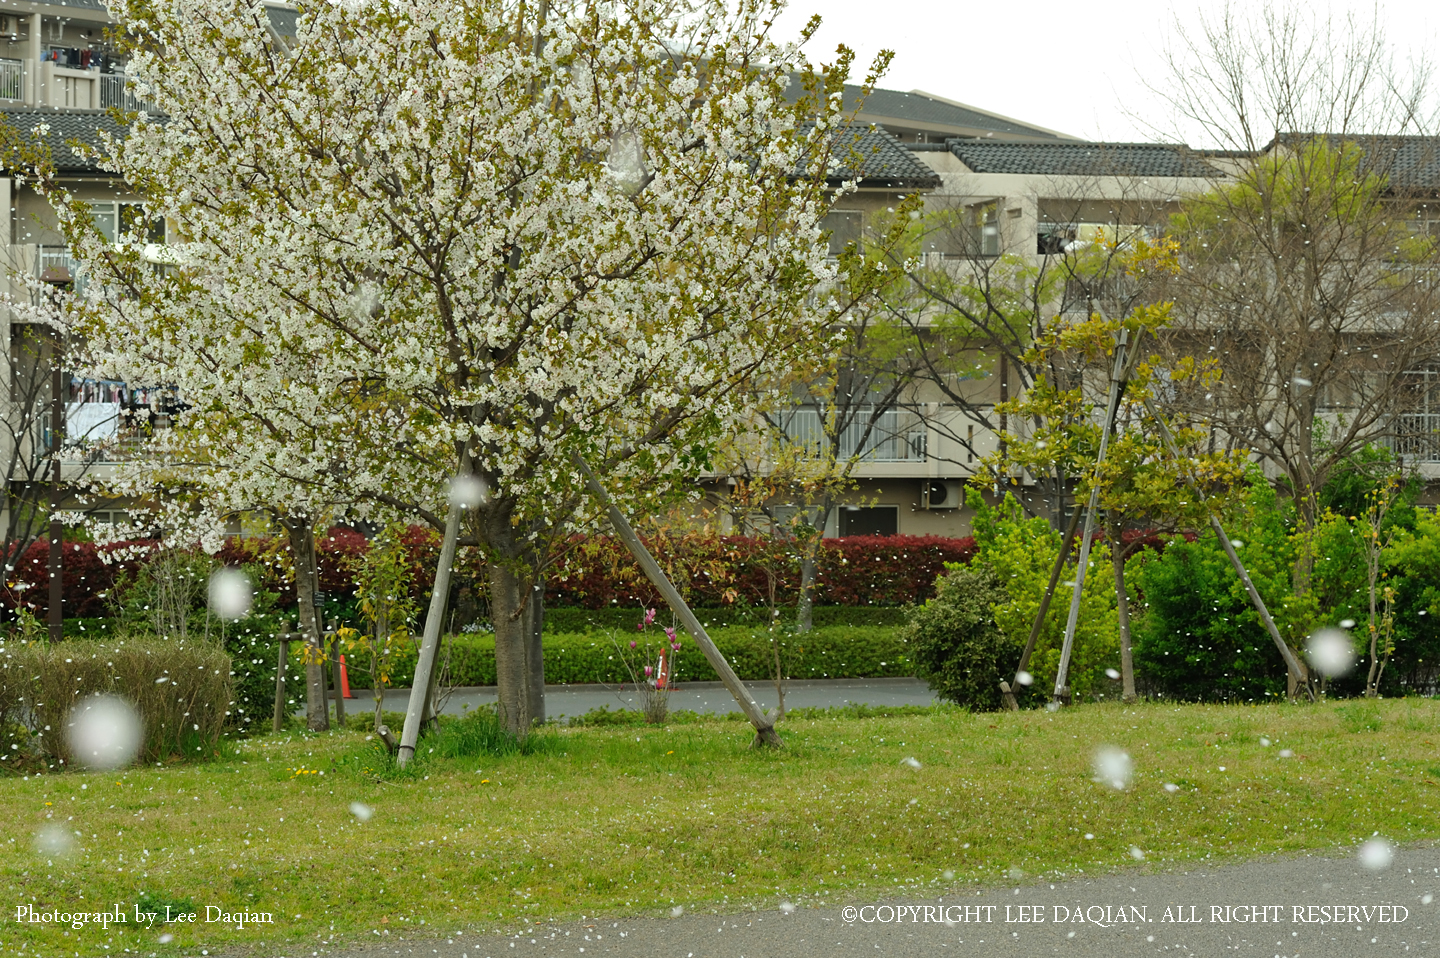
x=632, y=643
x=670, y=633
x=649, y=618
x=649, y=671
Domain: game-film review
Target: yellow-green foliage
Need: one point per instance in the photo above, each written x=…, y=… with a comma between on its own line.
x=1021, y=551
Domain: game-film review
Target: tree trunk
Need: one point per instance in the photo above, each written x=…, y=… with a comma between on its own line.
x=302, y=550
x=514, y=644
x=57, y=494
x=1122, y=616
x=804, y=605
x=535, y=653
x=377, y=684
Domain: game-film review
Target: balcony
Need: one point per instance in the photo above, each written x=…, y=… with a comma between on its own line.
x=12, y=79
x=115, y=92
x=894, y=436
x=1417, y=437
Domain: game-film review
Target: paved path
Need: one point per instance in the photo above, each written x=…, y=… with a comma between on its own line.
x=1247, y=909
x=568, y=701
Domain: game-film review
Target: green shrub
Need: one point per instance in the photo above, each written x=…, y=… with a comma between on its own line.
x=1021, y=552
x=1200, y=639
x=957, y=646
x=1412, y=565
x=254, y=654
x=592, y=657
x=181, y=690
x=560, y=620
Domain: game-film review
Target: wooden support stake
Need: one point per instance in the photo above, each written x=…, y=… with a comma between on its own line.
x=284, y=642
x=764, y=728
x=334, y=634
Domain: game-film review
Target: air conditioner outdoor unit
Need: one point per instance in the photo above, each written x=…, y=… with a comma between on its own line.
x=942, y=494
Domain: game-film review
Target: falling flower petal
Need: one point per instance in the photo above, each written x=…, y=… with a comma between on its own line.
x=1112, y=766
x=1376, y=854
x=104, y=732
x=231, y=593
x=1331, y=652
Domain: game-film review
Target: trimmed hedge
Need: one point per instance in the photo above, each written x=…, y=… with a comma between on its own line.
x=854, y=571
x=181, y=690
x=622, y=619
x=835, y=652
x=857, y=571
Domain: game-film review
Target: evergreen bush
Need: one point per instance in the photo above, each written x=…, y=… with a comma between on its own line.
x=957, y=646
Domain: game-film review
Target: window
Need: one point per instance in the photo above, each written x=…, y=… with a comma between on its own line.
x=843, y=227
x=1417, y=431
x=113, y=219
x=869, y=520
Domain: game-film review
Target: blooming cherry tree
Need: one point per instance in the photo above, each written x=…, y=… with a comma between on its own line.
x=457, y=246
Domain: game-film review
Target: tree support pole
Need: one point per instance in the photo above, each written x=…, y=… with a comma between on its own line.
x=764, y=728
x=1118, y=375
x=430, y=643
x=1007, y=689
x=1296, y=670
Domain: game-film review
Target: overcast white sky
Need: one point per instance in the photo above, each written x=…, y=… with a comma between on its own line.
x=1069, y=66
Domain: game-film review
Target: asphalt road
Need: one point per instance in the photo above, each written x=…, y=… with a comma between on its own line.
x=572, y=700
x=1250, y=909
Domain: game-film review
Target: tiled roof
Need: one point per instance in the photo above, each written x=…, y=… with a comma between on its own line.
x=925, y=110
x=919, y=108
x=1079, y=159
x=1407, y=162
x=65, y=128
x=883, y=160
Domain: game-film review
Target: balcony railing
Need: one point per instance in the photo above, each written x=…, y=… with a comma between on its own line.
x=54, y=264
x=894, y=436
x=115, y=93
x=1417, y=436
x=12, y=79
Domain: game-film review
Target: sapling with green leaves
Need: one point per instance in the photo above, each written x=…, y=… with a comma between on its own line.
x=1140, y=483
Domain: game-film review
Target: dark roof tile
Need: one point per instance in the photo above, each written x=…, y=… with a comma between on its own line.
x=65, y=129
x=1080, y=159
x=919, y=108
x=883, y=160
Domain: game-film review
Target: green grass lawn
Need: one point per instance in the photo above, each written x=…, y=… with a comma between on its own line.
x=627, y=820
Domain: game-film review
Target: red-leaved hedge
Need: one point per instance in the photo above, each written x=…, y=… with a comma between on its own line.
x=598, y=573
x=857, y=570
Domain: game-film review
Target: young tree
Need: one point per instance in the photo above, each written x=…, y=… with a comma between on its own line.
x=1303, y=272
x=512, y=236
x=816, y=425
x=1141, y=484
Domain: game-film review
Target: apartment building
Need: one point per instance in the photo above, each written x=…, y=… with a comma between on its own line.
x=1014, y=194
x=1018, y=192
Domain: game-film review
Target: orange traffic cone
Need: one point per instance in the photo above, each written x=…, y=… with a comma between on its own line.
x=344, y=680
x=662, y=674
